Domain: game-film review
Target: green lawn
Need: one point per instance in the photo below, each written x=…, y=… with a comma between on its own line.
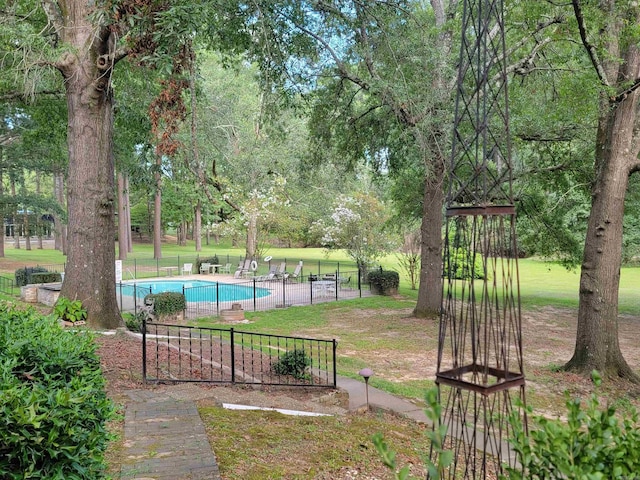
x=541, y=283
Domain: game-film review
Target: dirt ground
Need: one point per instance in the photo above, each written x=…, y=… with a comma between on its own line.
x=548, y=335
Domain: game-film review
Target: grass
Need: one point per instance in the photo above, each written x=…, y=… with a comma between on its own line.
x=253, y=444
x=542, y=283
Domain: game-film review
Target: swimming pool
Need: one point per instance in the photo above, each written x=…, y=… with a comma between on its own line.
x=195, y=290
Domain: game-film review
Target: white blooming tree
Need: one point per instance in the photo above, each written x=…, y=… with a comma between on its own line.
x=357, y=225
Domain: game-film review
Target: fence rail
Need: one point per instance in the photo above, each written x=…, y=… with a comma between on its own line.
x=8, y=286
x=175, y=353
x=252, y=294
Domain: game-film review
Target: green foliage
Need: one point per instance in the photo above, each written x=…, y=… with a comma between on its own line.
x=23, y=275
x=294, y=363
x=166, y=303
x=436, y=436
x=592, y=443
x=460, y=264
x=53, y=406
x=46, y=277
x=69, y=310
x=134, y=322
x=384, y=281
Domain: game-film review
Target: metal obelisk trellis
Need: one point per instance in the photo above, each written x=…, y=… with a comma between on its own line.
x=480, y=369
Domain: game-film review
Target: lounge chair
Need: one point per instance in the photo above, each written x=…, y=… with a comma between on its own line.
x=243, y=267
x=296, y=272
x=282, y=270
x=186, y=268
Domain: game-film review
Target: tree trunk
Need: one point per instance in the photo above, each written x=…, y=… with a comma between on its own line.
x=157, y=212
x=58, y=224
x=616, y=157
x=90, y=269
x=128, y=214
x=39, y=226
x=597, y=345
x=197, y=226
x=430, y=289
x=122, y=220
x=16, y=229
x=252, y=236
x=27, y=236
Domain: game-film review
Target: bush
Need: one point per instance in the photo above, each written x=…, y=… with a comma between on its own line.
x=591, y=443
x=23, y=275
x=294, y=363
x=460, y=264
x=166, y=303
x=384, y=281
x=212, y=260
x=53, y=406
x=134, y=322
x=45, y=277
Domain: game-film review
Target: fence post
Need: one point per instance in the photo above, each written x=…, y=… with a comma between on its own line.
x=254, y=294
x=335, y=373
x=233, y=356
x=217, y=298
x=284, y=290
x=144, y=348
x=310, y=292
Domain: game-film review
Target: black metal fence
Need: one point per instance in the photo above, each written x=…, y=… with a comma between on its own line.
x=8, y=286
x=175, y=353
x=137, y=268
x=216, y=297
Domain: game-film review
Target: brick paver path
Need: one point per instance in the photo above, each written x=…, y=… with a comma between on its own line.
x=165, y=439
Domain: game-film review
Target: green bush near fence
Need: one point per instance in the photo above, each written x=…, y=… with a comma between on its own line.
x=46, y=277
x=53, y=406
x=384, y=282
x=166, y=303
x=23, y=275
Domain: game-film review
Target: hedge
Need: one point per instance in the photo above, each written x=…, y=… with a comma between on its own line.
x=53, y=407
x=45, y=277
x=23, y=275
x=166, y=302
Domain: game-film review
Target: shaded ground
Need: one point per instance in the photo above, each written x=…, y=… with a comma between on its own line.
x=399, y=349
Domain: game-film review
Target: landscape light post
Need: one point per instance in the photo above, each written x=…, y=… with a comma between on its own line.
x=366, y=373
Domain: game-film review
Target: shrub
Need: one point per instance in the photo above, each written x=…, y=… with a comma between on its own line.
x=212, y=260
x=23, y=275
x=45, y=277
x=53, y=406
x=134, y=322
x=384, y=281
x=294, y=363
x=69, y=310
x=461, y=262
x=166, y=303
x=591, y=443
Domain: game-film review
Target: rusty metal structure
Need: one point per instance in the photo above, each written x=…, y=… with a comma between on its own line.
x=480, y=373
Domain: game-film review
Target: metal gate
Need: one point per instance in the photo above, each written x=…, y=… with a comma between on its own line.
x=176, y=353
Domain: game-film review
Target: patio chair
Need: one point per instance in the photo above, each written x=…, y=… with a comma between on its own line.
x=205, y=268
x=225, y=269
x=282, y=270
x=296, y=272
x=186, y=268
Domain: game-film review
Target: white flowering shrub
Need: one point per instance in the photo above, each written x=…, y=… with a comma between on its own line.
x=357, y=225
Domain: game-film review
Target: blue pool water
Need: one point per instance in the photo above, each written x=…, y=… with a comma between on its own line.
x=195, y=290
